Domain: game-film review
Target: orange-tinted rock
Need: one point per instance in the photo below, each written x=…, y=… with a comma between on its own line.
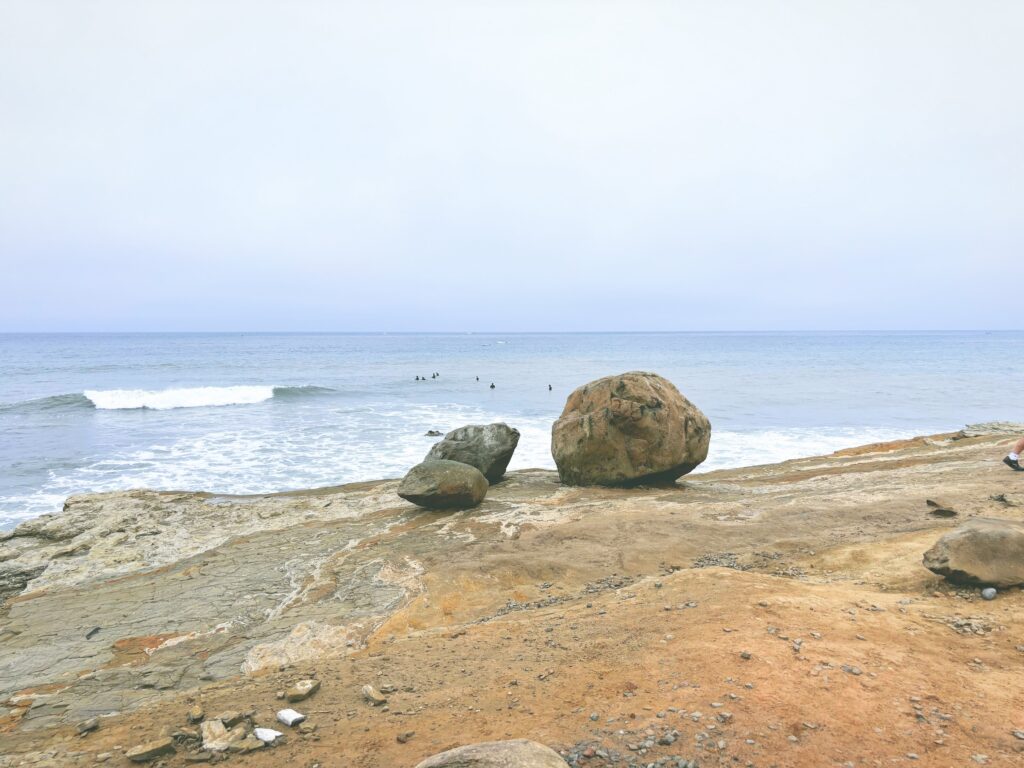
x=631, y=428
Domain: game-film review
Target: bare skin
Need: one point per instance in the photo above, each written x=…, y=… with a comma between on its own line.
x=1011, y=460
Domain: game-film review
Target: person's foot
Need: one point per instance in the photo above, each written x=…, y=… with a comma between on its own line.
x=1013, y=464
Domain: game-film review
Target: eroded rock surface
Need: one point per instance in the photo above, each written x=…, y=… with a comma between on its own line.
x=526, y=616
x=631, y=428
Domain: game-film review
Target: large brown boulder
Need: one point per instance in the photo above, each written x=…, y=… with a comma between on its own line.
x=627, y=429
x=488, y=447
x=519, y=753
x=983, y=551
x=439, y=484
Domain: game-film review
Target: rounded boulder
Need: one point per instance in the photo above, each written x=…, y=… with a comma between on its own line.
x=440, y=484
x=983, y=551
x=488, y=447
x=518, y=753
x=628, y=429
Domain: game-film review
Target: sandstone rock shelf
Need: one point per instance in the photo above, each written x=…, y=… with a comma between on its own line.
x=592, y=620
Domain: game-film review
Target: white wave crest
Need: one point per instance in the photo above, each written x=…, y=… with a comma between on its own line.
x=731, y=449
x=188, y=397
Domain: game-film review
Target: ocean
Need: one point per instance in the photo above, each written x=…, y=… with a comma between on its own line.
x=257, y=413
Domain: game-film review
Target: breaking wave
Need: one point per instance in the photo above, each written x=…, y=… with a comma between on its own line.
x=164, y=399
x=192, y=397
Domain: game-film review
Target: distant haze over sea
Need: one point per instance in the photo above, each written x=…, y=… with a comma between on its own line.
x=256, y=413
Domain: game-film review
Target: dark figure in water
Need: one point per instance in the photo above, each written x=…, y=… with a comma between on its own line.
x=417, y=378
x=478, y=378
x=549, y=387
x=492, y=385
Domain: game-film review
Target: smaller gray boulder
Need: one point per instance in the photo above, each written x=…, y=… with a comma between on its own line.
x=488, y=447
x=519, y=753
x=439, y=484
x=982, y=551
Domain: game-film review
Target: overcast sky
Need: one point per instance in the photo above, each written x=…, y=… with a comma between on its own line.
x=511, y=165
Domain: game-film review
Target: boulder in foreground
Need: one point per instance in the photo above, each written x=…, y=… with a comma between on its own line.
x=627, y=429
x=487, y=447
x=982, y=551
x=441, y=484
x=519, y=753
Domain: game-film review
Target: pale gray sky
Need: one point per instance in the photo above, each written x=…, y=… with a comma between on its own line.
x=511, y=165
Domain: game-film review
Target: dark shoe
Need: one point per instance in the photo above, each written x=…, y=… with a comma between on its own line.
x=1013, y=464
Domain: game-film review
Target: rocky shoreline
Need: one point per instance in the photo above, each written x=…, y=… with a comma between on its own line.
x=769, y=615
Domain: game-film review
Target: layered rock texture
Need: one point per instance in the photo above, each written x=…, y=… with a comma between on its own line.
x=488, y=447
x=441, y=484
x=628, y=429
x=785, y=605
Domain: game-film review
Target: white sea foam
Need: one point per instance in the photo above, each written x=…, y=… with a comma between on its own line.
x=187, y=397
x=731, y=449
x=367, y=443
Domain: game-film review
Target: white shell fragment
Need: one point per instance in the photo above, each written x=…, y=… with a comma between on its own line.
x=267, y=735
x=290, y=717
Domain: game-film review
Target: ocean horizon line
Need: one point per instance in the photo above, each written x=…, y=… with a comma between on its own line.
x=722, y=332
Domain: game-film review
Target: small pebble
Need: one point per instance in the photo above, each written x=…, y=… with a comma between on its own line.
x=373, y=696
x=989, y=593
